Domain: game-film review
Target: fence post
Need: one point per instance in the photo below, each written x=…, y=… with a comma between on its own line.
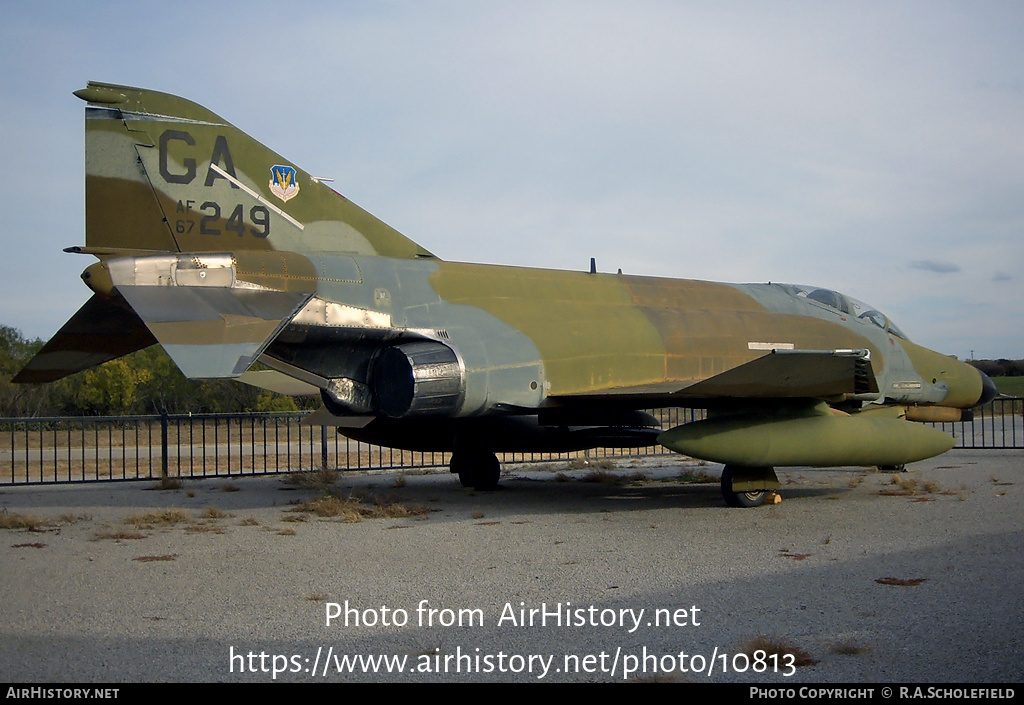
x=323, y=447
x=163, y=445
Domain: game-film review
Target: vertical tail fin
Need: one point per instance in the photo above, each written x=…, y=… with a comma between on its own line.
x=166, y=174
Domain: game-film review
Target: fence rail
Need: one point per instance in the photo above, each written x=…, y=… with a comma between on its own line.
x=100, y=448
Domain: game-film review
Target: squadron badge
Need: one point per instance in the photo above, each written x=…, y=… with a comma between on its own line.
x=284, y=182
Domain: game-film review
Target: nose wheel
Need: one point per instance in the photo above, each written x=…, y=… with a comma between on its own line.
x=478, y=469
x=751, y=483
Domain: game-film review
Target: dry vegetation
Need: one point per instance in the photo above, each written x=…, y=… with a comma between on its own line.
x=777, y=647
x=169, y=483
x=17, y=520
x=117, y=535
x=903, y=485
x=694, y=477
x=160, y=517
x=848, y=648
x=355, y=508
x=902, y=582
x=605, y=477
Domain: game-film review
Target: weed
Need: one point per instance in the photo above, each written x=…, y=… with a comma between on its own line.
x=771, y=646
x=230, y=487
x=904, y=486
x=903, y=582
x=16, y=520
x=169, y=483
x=353, y=508
x=151, y=559
x=609, y=478
x=694, y=477
x=314, y=479
x=795, y=556
x=117, y=535
x=248, y=521
x=162, y=517
x=214, y=513
x=205, y=529
x=286, y=532
x=28, y=545
x=848, y=648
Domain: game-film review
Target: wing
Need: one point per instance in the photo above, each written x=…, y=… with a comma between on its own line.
x=779, y=375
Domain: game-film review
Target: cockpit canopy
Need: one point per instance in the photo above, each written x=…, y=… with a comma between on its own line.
x=845, y=304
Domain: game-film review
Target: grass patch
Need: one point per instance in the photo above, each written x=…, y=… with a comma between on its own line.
x=151, y=559
x=902, y=485
x=584, y=463
x=1011, y=386
x=117, y=535
x=321, y=480
x=214, y=513
x=161, y=517
x=17, y=520
x=355, y=508
x=694, y=477
x=169, y=483
x=610, y=478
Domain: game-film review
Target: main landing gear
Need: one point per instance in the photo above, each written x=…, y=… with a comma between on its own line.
x=746, y=486
x=476, y=468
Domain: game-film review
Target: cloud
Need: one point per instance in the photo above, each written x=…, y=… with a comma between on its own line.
x=1001, y=277
x=937, y=266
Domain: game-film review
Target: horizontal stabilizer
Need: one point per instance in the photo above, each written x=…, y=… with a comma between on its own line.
x=279, y=382
x=100, y=331
x=209, y=322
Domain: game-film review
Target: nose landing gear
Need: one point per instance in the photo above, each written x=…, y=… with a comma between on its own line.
x=747, y=487
x=476, y=468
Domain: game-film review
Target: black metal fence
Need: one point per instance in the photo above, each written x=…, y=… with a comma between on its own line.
x=82, y=449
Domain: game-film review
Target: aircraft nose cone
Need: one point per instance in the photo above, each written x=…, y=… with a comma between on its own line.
x=988, y=389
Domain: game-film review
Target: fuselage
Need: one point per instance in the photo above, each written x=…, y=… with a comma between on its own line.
x=523, y=336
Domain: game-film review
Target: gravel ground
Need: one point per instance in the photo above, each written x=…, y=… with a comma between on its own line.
x=645, y=573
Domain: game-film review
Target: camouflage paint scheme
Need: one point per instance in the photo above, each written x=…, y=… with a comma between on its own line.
x=225, y=253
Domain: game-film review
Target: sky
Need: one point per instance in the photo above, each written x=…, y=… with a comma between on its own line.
x=875, y=148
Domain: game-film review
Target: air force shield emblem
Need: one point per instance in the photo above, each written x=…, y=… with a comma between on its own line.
x=284, y=182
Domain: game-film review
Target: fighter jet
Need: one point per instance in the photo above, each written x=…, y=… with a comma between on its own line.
x=228, y=254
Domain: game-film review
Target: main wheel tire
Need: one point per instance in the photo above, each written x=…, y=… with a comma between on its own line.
x=740, y=499
x=480, y=470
